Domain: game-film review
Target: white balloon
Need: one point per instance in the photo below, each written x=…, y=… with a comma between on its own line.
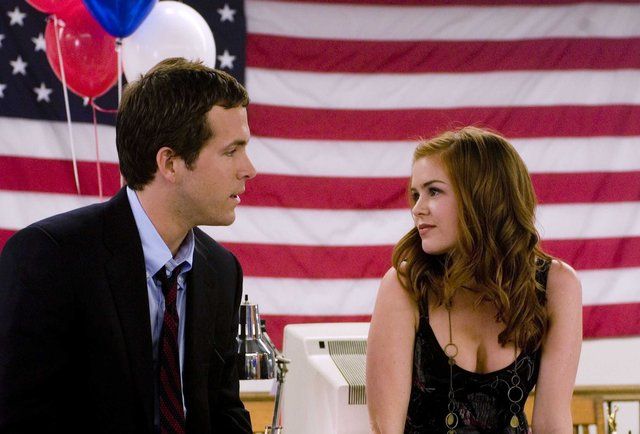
x=172, y=29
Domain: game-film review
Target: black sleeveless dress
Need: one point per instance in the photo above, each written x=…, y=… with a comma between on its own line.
x=483, y=403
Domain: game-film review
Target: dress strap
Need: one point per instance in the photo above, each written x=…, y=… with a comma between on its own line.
x=542, y=275
x=423, y=307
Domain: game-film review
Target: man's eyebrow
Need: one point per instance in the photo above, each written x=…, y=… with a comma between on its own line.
x=236, y=143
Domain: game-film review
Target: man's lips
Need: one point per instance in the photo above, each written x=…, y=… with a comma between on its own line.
x=236, y=196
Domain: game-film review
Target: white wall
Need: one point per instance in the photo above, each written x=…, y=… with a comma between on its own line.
x=609, y=362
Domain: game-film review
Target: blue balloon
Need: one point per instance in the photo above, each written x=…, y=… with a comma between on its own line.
x=120, y=18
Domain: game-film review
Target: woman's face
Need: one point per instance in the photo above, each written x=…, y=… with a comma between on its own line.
x=435, y=210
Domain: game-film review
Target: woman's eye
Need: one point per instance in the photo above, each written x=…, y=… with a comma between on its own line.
x=434, y=192
x=414, y=197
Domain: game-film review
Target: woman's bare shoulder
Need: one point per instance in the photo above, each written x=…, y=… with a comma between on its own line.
x=563, y=286
x=393, y=297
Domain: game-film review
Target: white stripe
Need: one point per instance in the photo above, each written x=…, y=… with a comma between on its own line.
x=366, y=159
x=373, y=159
x=377, y=159
x=372, y=227
x=619, y=285
x=411, y=91
x=23, y=208
x=50, y=139
x=341, y=227
x=314, y=227
x=286, y=296
x=580, y=154
x=326, y=21
x=563, y=221
x=312, y=296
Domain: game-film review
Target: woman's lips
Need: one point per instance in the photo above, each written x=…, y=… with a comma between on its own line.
x=423, y=228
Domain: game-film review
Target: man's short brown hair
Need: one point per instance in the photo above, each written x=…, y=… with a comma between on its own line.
x=168, y=106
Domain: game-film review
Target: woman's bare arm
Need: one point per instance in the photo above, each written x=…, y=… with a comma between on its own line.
x=560, y=352
x=390, y=356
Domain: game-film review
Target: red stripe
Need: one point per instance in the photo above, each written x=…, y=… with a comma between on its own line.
x=353, y=262
x=276, y=323
x=344, y=262
x=588, y=187
x=326, y=192
x=598, y=321
x=611, y=320
x=5, y=234
x=321, y=55
x=56, y=176
x=410, y=124
x=598, y=253
x=390, y=193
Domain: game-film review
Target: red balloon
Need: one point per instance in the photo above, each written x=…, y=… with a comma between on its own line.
x=88, y=52
x=52, y=6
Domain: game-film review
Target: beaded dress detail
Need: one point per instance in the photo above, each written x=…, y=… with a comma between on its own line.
x=482, y=400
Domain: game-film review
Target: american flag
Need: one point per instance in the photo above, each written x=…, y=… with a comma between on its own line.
x=341, y=91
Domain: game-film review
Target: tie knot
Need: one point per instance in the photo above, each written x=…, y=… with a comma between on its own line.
x=169, y=283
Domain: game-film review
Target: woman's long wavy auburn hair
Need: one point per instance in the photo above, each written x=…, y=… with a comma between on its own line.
x=498, y=248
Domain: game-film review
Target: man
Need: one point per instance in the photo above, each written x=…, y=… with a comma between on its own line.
x=121, y=317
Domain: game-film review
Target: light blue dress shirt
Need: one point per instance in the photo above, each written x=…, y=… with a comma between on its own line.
x=156, y=256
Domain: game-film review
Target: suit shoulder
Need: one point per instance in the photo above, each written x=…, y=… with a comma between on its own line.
x=80, y=222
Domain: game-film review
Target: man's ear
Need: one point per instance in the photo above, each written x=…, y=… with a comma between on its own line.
x=167, y=161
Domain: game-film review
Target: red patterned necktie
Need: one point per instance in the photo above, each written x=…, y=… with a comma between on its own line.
x=172, y=420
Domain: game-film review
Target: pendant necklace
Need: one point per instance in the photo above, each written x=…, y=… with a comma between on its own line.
x=451, y=351
x=514, y=393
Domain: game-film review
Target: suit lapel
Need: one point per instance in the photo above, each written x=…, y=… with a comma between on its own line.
x=127, y=280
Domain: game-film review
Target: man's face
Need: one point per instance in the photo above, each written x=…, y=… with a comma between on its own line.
x=209, y=191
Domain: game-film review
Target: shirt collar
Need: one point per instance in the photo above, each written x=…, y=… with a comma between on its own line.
x=156, y=253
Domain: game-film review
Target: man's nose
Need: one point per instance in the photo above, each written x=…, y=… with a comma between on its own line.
x=248, y=170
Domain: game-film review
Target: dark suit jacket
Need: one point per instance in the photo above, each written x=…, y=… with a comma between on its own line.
x=75, y=339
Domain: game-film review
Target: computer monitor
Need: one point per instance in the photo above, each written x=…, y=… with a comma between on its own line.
x=324, y=390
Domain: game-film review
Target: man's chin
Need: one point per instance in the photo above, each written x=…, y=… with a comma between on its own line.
x=226, y=221
x=219, y=220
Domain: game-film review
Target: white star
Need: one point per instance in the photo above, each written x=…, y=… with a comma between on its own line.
x=2, y=88
x=43, y=92
x=1, y=38
x=226, y=60
x=40, y=44
x=19, y=66
x=226, y=13
x=16, y=16
x=85, y=101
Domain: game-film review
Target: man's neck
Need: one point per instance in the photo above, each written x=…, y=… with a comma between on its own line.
x=159, y=208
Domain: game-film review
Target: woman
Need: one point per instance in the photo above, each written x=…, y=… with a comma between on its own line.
x=473, y=313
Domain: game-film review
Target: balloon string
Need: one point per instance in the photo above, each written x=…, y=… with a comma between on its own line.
x=96, y=107
x=95, y=134
x=101, y=109
x=119, y=53
x=58, y=33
